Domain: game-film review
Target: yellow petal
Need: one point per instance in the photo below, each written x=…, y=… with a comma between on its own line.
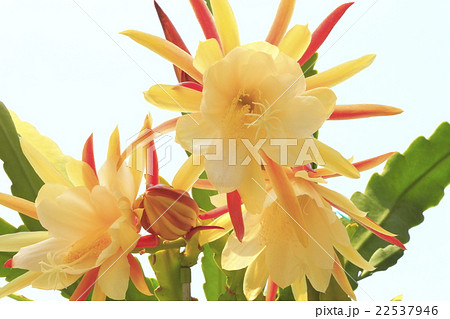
x=219, y=200
x=114, y=275
x=296, y=41
x=299, y=289
x=188, y=173
x=167, y=50
x=255, y=277
x=237, y=255
x=286, y=197
x=14, y=242
x=18, y=283
x=114, y=145
x=326, y=97
x=353, y=256
x=46, y=171
x=339, y=200
x=339, y=73
x=20, y=205
x=226, y=24
x=208, y=236
x=81, y=174
x=208, y=52
x=335, y=161
x=281, y=22
x=397, y=298
x=367, y=222
x=97, y=293
x=44, y=145
x=252, y=189
x=51, y=281
x=346, y=205
x=341, y=278
x=137, y=276
x=174, y=98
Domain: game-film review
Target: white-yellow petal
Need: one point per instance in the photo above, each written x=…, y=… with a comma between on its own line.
x=237, y=255
x=114, y=276
x=255, y=277
x=14, y=242
x=208, y=236
x=300, y=289
x=208, y=52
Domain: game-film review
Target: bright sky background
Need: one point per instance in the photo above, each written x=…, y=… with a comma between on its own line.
x=62, y=72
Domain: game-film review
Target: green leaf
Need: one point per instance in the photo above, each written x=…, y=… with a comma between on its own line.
x=234, y=279
x=334, y=292
x=18, y=297
x=308, y=67
x=208, y=3
x=167, y=267
x=410, y=184
x=135, y=295
x=215, y=278
x=285, y=294
x=202, y=196
x=25, y=182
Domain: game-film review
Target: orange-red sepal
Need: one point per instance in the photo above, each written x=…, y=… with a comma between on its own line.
x=8, y=263
x=88, y=153
x=148, y=241
x=235, y=209
x=323, y=30
x=205, y=19
x=271, y=291
x=172, y=35
x=389, y=239
x=85, y=286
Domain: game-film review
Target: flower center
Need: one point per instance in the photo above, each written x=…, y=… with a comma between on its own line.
x=89, y=247
x=251, y=116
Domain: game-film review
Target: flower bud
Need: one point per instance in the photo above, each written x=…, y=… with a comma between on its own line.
x=169, y=213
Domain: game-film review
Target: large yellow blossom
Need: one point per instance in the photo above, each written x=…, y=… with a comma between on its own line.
x=297, y=235
x=91, y=223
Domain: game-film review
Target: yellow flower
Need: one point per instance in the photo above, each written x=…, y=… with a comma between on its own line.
x=247, y=93
x=296, y=236
x=91, y=223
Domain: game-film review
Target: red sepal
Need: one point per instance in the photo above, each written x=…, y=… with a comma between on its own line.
x=88, y=153
x=8, y=263
x=205, y=19
x=323, y=30
x=271, y=291
x=148, y=241
x=172, y=35
x=234, y=206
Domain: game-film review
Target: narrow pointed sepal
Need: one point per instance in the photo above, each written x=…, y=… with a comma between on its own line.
x=19, y=283
x=324, y=29
x=281, y=21
x=137, y=275
x=235, y=209
x=358, y=111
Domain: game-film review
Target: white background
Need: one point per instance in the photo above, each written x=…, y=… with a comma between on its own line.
x=60, y=71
